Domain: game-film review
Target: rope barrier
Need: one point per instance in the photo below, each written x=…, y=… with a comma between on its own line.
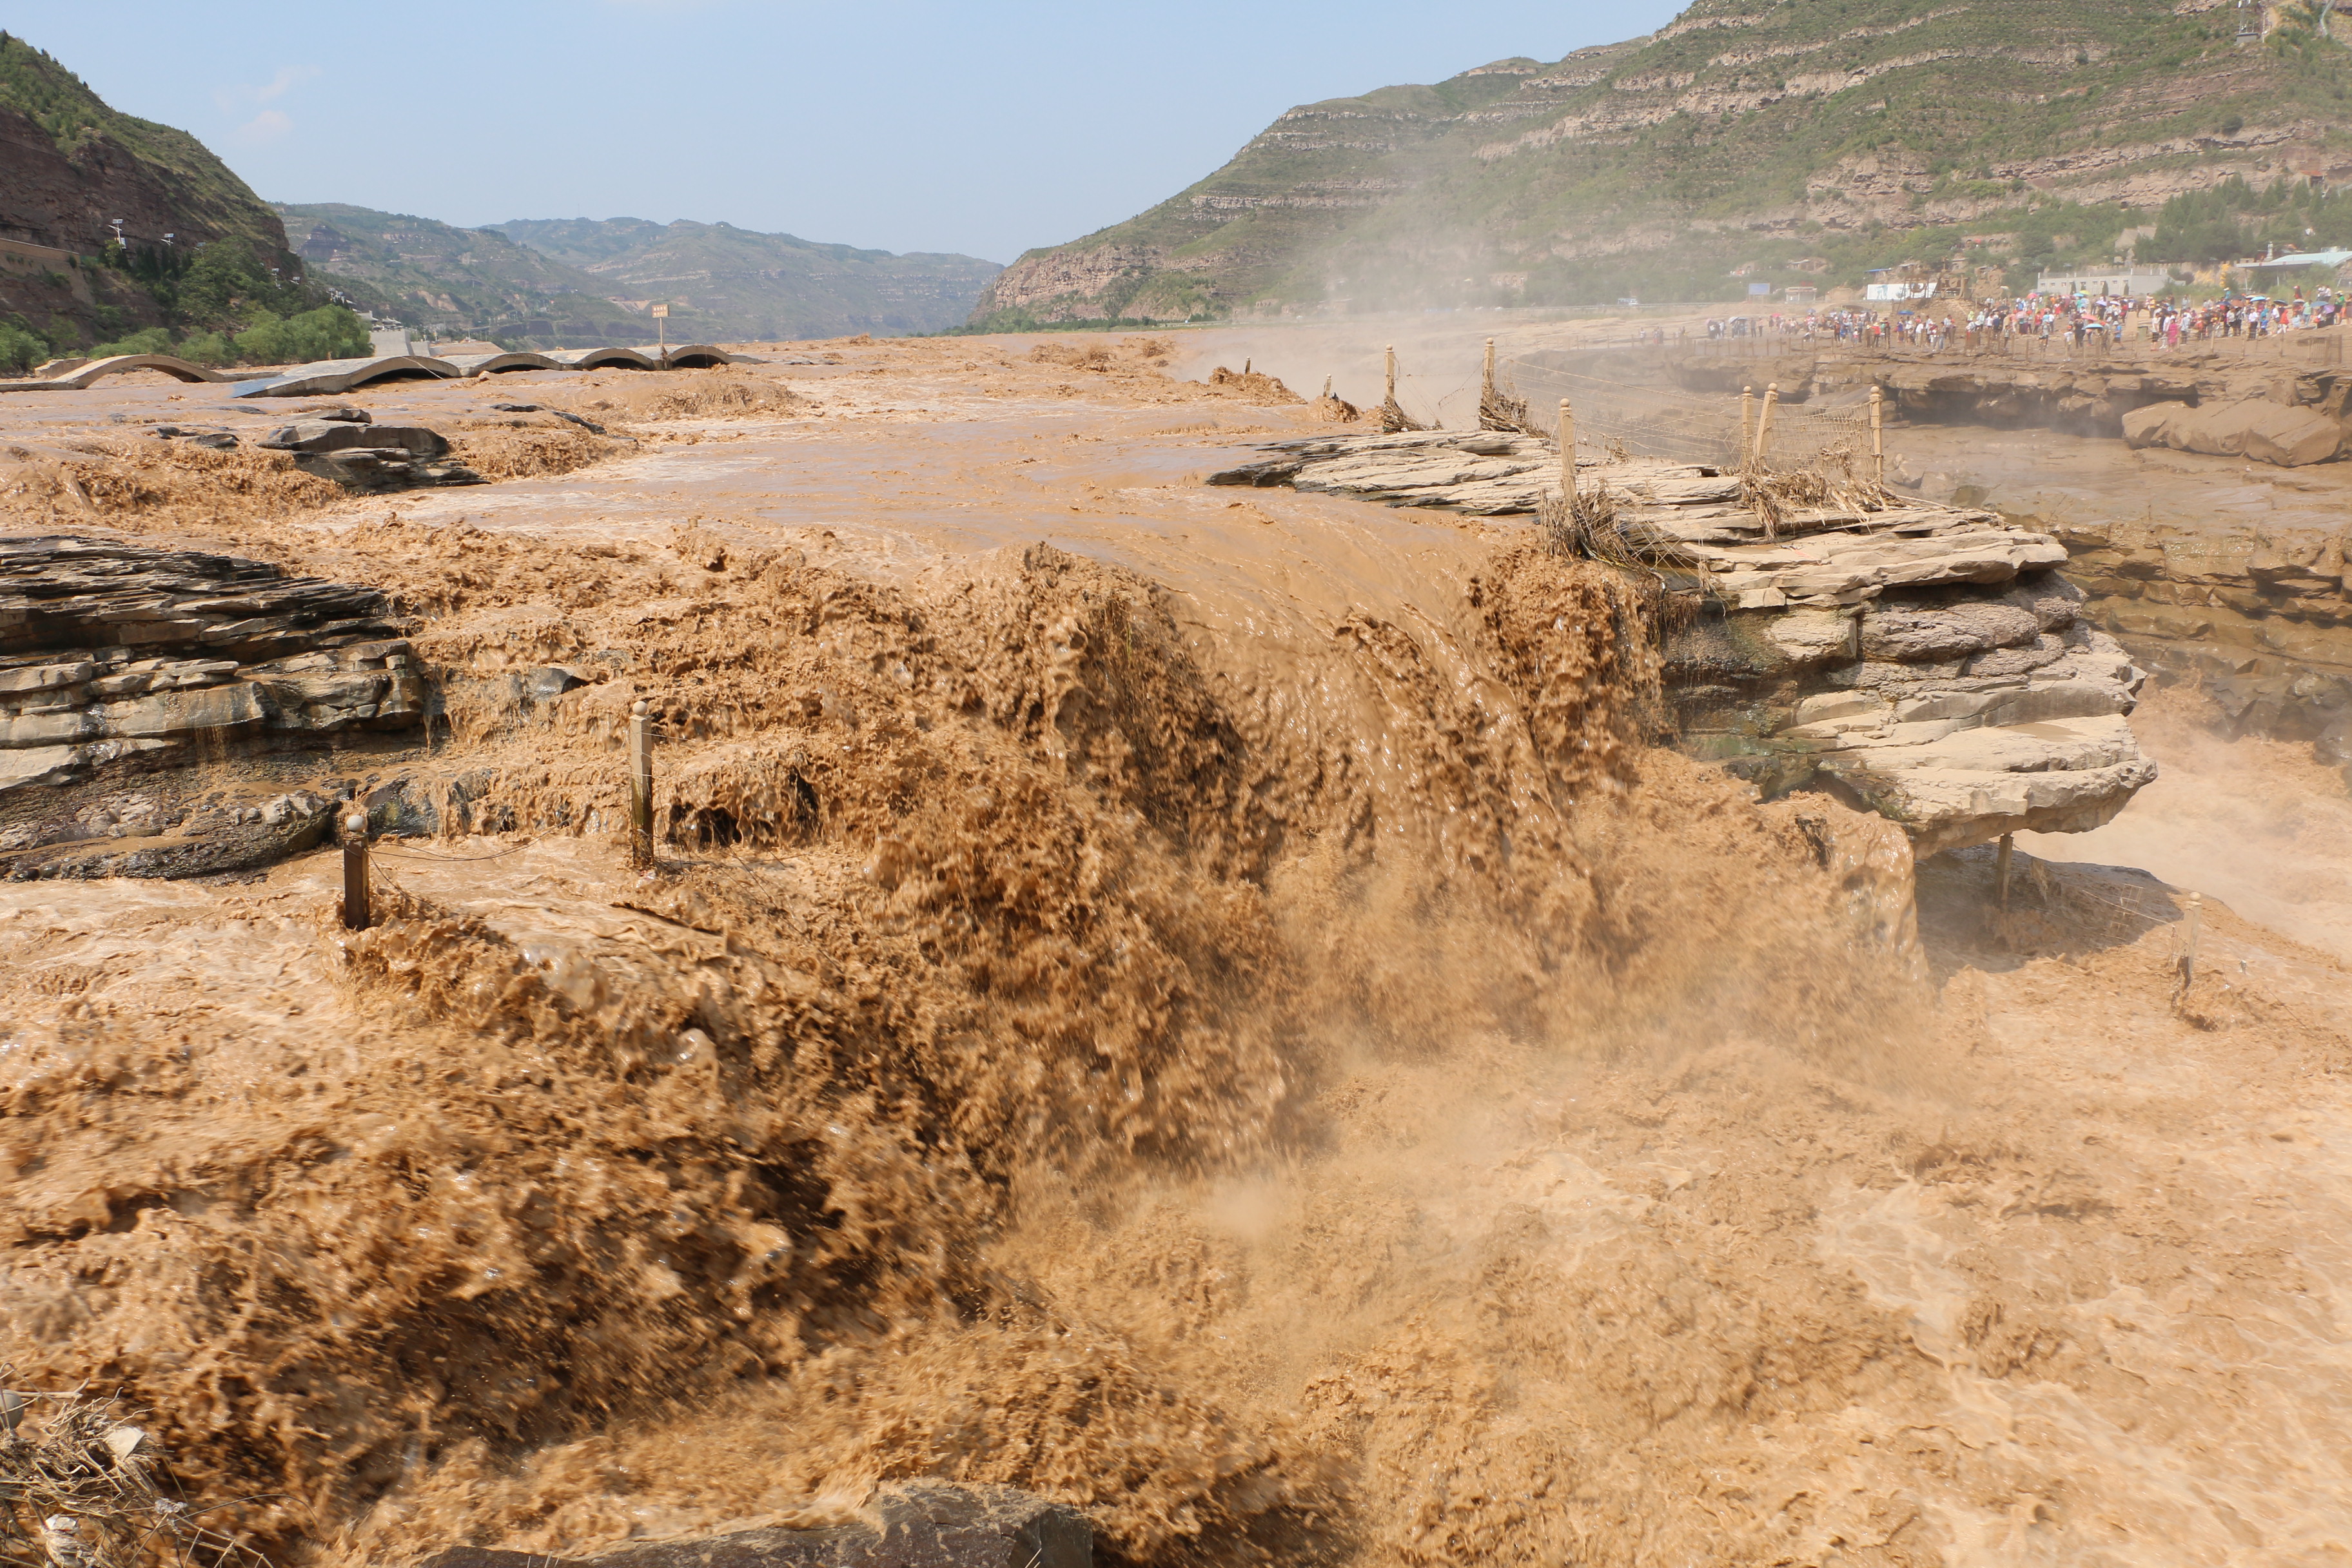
x=449, y=860
x=1677, y=425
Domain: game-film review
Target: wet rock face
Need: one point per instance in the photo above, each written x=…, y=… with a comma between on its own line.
x=1962, y=713
x=914, y=1526
x=150, y=832
x=365, y=456
x=2258, y=619
x=110, y=650
x=1924, y=660
x=58, y=591
x=2266, y=431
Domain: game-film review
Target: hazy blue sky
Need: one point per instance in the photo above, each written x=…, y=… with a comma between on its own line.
x=984, y=129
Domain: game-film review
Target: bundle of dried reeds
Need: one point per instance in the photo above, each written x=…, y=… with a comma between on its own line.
x=83, y=1484
x=1394, y=418
x=1585, y=524
x=1501, y=407
x=1830, y=483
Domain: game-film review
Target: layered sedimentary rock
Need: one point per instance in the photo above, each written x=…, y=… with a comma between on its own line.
x=2090, y=398
x=1925, y=660
x=1683, y=154
x=351, y=448
x=1483, y=472
x=2286, y=436
x=904, y=1526
x=112, y=652
x=1962, y=709
x=2265, y=408
x=2259, y=620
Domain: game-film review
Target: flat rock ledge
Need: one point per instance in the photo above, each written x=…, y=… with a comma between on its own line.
x=1483, y=472
x=909, y=1526
x=111, y=651
x=1926, y=661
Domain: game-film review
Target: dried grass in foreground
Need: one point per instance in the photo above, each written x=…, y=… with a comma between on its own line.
x=84, y=1484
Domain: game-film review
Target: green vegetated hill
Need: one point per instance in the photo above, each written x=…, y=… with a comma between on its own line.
x=205, y=268
x=105, y=164
x=201, y=267
x=1837, y=134
x=473, y=281
x=726, y=282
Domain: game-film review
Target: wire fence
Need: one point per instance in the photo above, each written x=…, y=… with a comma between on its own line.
x=1674, y=424
x=2111, y=921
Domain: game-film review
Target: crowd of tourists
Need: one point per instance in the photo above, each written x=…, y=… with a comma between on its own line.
x=2080, y=321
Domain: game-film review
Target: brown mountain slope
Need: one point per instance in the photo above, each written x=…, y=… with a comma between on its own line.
x=69, y=165
x=1837, y=134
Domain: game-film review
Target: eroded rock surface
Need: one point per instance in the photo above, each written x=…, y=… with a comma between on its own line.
x=365, y=456
x=1962, y=711
x=1925, y=660
x=2259, y=619
x=909, y=1526
x=1483, y=472
x=112, y=652
x=2268, y=432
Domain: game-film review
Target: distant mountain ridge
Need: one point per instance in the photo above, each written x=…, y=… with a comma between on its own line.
x=1801, y=140
x=716, y=276
x=568, y=279
x=69, y=165
x=435, y=275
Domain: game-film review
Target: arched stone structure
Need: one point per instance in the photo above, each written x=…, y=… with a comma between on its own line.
x=497, y=363
x=332, y=375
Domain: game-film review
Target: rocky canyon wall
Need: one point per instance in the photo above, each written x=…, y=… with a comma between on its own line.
x=2258, y=619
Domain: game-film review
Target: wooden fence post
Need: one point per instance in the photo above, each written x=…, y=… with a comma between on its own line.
x=1878, y=438
x=1391, y=373
x=2000, y=865
x=1747, y=425
x=1486, y=378
x=1566, y=451
x=1764, y=422
x=2188, y=958
x=355, y=868
x=641, y=784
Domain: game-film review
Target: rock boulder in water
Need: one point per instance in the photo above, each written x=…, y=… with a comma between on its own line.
x=322, y=436
x=2288, y=435
x=2291, y=438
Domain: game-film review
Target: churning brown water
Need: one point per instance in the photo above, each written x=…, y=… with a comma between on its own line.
x=1215, y=1012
